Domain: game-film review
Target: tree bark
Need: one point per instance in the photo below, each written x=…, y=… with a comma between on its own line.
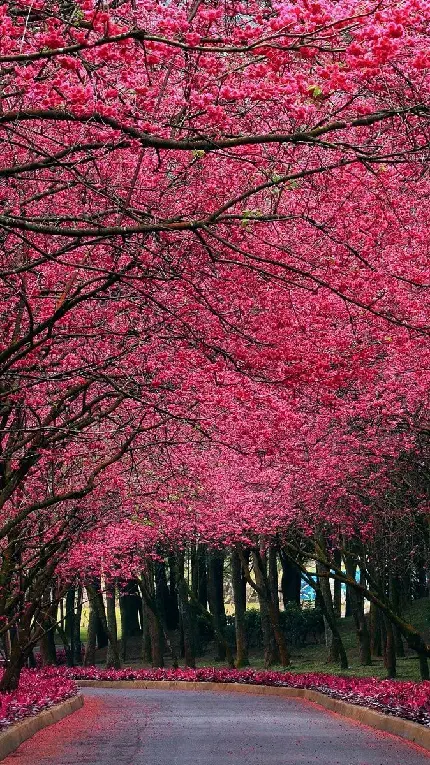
x=262, y=588
x=375, y=630
x=77, y=628
x=332, y=644
x=98, y=625
x=273, y=577
x=357, y=607
x=336, y=649
x=424, y=667
x=161, y=590
x=377, y=595
x=389, y=649
x=157, y=640
x=90, y=648
x=290, y=581
x=184, y=610
x=131, y=609
x=215, y=588
x=146, y=637
x=348, y=607
x=101, y=621
x=172, y=612
x=113, y=659
x=199, y=583
x=337, y=587
x=48, y=650
x=396, y=599
x=12, y=672
x=154, y=618
x=239, y=596
x=70, y=626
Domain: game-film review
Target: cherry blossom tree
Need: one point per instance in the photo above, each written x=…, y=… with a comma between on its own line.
x=213, y=238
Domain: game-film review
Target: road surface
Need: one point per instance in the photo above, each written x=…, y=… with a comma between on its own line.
x=157, y=727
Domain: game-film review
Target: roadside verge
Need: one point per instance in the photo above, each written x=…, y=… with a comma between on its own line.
x=19, y=732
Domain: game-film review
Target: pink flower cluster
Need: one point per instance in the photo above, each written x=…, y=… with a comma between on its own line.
x=401, y=699
x=38, y=690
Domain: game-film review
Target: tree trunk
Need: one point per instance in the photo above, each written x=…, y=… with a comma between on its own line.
x=202, y=592
x=396, y=599
x=101, y=621
x=157, y=640
x=348, y=607
x=336, y=649
x=12, y=672
x=90, y=648
x=113, y=659
x=199, y=574
x=77, y=645
x=270, y=652
x=273, y=578
x=330, y=641
x=209, y=618
x=267, y=606
x=20, y=649
x=48, y=650
x=215, y=588
x=184, y=610
x=375, y=630
x=172, y=612
x=424, y=667
x=148, y=589
x=161, y=590
x=270, y=649
x=421, y=587
x=389, y=649
x=239, y=595
x=273, y=582
x=7, y=645
x=146, y=637
x=290, y=581
x=70, y=626
x=131, y=609
x=337, y=587
x=357, y=607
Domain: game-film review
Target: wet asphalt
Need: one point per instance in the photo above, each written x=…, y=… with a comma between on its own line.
x=157, y=727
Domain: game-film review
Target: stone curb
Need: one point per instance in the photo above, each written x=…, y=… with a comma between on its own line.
x=12, y=738
x=413, y=732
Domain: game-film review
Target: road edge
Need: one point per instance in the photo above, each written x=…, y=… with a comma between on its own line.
x=14, y=736
x=397, y=726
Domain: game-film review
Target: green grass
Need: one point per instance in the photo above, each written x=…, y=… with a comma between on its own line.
x=313, y=658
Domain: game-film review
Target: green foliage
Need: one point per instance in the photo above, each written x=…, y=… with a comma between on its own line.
x=203, y=632
x=315, y=91
x=300, y=626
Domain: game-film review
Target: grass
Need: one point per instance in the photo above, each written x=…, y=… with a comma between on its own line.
x=312, y=658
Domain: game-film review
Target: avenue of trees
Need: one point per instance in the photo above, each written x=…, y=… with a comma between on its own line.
x=179, y=608
x=214, y=318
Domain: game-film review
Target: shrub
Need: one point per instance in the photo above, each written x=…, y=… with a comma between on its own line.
x=300, y=625
x=37, y=690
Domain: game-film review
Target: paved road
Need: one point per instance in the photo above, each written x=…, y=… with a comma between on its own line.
x=159, y=727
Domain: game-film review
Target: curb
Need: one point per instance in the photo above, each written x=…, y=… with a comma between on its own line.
x=12, y=738
x=411, y=731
